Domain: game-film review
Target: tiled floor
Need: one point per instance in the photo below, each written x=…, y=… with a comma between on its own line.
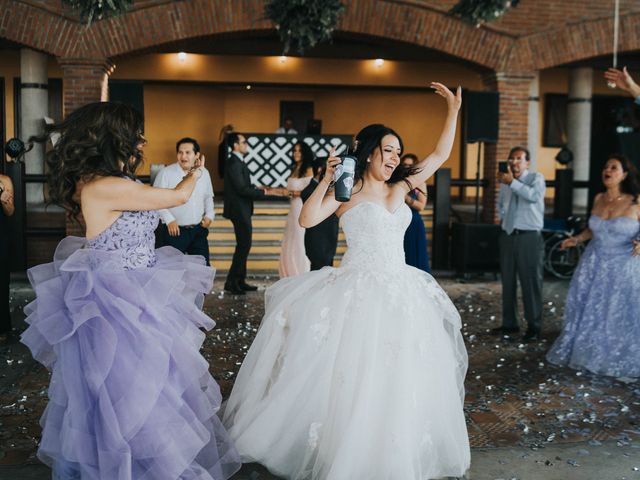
x=514, y=397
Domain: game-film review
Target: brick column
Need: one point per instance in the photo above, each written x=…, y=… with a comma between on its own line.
x=513, y=121
x=84, y=80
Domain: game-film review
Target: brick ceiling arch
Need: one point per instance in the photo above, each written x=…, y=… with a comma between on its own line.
x=157, y=22
x=579, y=41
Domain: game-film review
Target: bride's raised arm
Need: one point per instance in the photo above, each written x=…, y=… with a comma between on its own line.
x=320, y=205
x=433, y=161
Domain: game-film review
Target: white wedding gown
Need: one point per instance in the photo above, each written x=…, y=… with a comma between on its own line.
x=356, y=372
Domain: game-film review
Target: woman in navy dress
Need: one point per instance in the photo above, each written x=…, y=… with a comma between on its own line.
x=416, y=252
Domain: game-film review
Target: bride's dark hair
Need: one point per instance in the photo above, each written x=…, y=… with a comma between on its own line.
x=370, y=138
x=98, y=139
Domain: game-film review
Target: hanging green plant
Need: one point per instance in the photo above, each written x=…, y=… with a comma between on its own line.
x=482, y=11
x=91, y=10
x=302, y=24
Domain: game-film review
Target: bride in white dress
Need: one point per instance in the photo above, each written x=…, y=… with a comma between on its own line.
x=357, y=372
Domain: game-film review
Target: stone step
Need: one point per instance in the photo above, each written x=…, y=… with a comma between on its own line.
x=258, y=249
x=260, y=267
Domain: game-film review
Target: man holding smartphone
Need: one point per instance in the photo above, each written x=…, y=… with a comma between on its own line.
x=521, y=209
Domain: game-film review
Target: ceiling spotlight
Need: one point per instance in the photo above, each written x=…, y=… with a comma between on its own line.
x=248, y=87
x=283, y=58
x=378, y=62
x=182, y=56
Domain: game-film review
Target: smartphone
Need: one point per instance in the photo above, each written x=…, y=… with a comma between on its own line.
x=503, y=167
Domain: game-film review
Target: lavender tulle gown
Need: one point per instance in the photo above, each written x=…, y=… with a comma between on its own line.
x=117, y=323
x=602, y=314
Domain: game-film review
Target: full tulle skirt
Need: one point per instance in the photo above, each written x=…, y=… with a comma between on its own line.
x=130, y=395
x=354, y=374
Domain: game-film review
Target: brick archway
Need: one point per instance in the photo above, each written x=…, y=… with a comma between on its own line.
x=160, y=22
x=84, y=53
x=164, y=23
x=579, y=41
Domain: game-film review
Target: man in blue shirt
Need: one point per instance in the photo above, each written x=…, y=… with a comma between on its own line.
x=521, y=209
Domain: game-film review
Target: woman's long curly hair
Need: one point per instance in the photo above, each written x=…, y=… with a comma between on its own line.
x=631, y=183
x=306, y=162
x=370, y=138
x=99, y=139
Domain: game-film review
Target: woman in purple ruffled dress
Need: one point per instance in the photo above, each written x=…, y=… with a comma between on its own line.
x=118, y=322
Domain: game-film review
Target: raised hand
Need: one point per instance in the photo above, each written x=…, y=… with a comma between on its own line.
x=453, y=101
x=622, y=79
x=198, y=166
x=332, y=163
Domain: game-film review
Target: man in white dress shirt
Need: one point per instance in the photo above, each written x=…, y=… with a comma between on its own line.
x=186, y=227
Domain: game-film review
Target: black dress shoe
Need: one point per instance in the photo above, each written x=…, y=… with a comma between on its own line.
x=247, y=288
x=531, y=336
x=234, y=289
x=504, y=330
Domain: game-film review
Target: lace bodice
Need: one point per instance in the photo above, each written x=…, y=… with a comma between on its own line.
x=131, y=235
x=375, y=236
x=614, y=235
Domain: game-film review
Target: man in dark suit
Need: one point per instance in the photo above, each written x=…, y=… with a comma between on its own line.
x=321, y=241
x=239, y=195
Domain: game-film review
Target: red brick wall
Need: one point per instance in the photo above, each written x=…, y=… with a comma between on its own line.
x=512, y=125
x=536, y=34
x=85, y=81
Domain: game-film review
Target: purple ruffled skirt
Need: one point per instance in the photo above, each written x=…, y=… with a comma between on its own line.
x=130, y=395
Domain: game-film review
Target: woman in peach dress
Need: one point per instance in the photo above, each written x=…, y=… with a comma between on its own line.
x=293, y=259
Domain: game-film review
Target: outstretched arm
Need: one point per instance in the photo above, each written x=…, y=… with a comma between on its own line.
x=243, y=188
x=429, y=165
x=573, y=241
x=121, y=194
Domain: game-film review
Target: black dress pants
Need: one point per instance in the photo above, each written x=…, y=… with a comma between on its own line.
x=192, y=240
x=238, y=271
x=522, y=259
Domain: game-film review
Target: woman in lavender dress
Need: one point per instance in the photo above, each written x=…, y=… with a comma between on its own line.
x=602, y=314
x=118, y=323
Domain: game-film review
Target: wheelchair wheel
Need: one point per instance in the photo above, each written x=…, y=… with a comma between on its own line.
x=562, y=263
